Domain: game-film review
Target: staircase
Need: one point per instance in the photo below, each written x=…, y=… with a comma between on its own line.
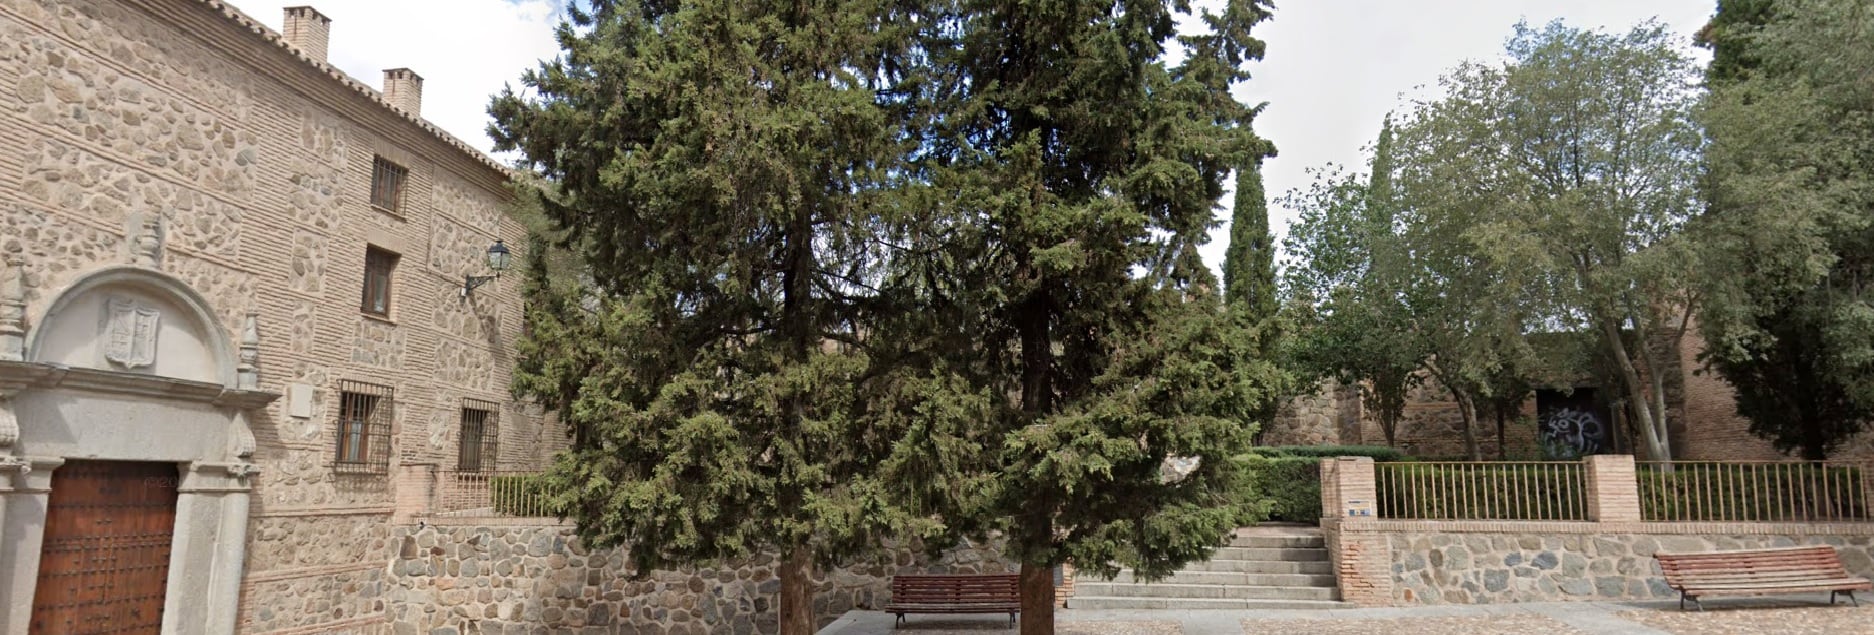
x=1269, y=567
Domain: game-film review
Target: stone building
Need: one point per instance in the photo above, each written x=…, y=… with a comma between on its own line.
x=234, y=335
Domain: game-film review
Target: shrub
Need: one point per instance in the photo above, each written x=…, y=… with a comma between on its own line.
x=1379, y=453
x=1287, y=487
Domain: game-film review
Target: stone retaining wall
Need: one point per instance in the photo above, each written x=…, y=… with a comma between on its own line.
x=1491, y=568
x=523, y=578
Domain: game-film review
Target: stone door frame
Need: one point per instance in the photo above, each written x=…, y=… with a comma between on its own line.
x=213, y=487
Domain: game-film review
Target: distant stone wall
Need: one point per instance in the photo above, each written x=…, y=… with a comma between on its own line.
x=522, y=578
x=1328, y=416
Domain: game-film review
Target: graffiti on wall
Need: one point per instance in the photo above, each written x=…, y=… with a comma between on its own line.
x=1570, y=425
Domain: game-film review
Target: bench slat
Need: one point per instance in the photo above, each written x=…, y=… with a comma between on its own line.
x=1759, y=571
x=989, y=593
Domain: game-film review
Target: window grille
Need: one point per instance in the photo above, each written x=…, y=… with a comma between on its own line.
x=378, y=265
x=364, y=416
x=481, y=434
x=387, y=181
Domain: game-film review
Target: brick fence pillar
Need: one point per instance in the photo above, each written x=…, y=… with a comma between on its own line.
x=1347, y=488
x=1613, y=490
x=414, y=490
x=1362, y=558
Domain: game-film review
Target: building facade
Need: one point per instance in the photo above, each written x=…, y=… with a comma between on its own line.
x=235, y=344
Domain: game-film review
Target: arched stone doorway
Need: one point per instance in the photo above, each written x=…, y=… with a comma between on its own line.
x=126, y=372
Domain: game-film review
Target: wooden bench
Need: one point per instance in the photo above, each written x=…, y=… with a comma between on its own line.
x=994, y=593
x=1760, y=572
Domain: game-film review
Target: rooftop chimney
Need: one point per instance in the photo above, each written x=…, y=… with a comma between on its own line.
x=307, y=30
x=403, y=88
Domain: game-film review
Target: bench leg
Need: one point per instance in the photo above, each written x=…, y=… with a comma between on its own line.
x=1011, y=619
x=899, y=622
x=1834, y=594
x=1683, y=597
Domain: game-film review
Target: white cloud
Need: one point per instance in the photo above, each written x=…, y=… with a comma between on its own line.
x=465, y=50
x=1334, y=67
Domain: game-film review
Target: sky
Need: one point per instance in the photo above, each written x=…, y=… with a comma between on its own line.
x=1334, y=68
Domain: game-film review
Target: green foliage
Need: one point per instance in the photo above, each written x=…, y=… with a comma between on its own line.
x=1347, y=279
x=1552, y=192
x=1069, y=338
x=1380, y=454
x=1249, y=263
x=1288, y=488
x=723, y=171
x=1787, y=310
x=1752, y=493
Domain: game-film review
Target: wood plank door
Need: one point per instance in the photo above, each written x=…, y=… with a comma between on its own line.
x=105, y=563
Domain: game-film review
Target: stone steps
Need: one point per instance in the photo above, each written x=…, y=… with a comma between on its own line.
x=1262, y=568
x=1278, y=554
x=1187, y=604
x=1321, y=567
x=1238, y=578
x=1205, y=591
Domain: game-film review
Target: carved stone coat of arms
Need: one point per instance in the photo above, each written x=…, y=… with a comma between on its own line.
x=130, y=333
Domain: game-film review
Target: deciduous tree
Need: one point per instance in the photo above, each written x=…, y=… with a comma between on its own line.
x=1787, y=315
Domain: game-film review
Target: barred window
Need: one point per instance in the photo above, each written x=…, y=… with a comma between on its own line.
x=387, y=180
x=480, y=433
x=364, y=412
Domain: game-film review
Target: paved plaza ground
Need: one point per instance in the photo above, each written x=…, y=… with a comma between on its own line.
x=1721, y=617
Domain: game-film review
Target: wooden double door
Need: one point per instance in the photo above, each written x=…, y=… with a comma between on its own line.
x=105, y=561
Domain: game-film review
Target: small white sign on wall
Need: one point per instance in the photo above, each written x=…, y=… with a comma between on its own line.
x=299, y=400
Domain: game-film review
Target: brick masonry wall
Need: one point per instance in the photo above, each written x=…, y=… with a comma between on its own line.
x=114, y=110
x=522, y=578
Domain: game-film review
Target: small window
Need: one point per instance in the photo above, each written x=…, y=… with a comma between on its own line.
x=363, y=428
x=378, y=265
x=387, y=181
x=480, y=432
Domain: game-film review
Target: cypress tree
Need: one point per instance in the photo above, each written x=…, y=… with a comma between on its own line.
x=723, y=168
x=1088, y=360
x=1249, y=264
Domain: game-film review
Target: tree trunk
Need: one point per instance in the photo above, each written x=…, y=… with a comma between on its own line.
x=1037, y=599
x=1653, y=433
x=1467, y=408
x=1389, y=424
x=797, y=593
x=1503, y=448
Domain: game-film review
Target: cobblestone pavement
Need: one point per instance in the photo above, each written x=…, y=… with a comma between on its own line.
x=1722, y=617
x=1798, y=619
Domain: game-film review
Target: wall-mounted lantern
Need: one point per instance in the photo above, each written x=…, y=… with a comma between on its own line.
x=497, y=261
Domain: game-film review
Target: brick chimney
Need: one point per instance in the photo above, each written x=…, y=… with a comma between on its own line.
x=403, y=88
x=307, y=30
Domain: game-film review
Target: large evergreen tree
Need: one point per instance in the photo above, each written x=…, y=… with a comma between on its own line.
x=1788, y=313
x=723, y=167
x=1087, y=358
x=1249, y=263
